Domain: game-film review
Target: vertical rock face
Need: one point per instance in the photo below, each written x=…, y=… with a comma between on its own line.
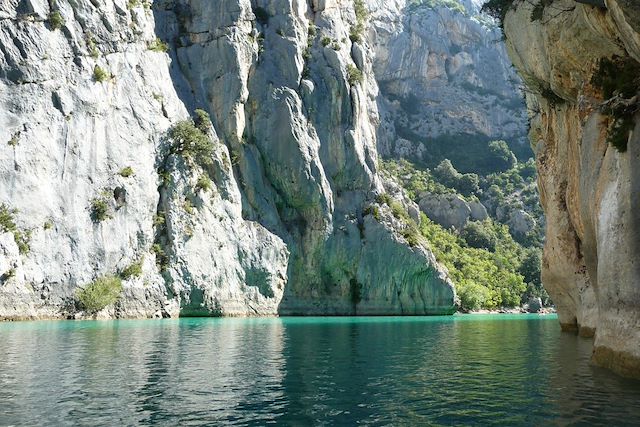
x=590, y=190
x=277, y=217
x=443, y=73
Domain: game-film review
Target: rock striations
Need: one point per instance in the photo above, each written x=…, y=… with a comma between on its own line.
x=444, y=75
x=582, y=65
x=267, y=209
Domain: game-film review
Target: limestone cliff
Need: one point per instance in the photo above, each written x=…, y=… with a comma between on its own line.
x=581, y=63
x=275, y=218
x=444, y=75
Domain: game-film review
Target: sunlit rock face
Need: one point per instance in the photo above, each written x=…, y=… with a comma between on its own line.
x=590, y=190
x=444, y=74
x=88, y=93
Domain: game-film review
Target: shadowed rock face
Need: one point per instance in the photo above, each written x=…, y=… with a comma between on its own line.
x=590, y=190
x=443, y=74
x=284, y=225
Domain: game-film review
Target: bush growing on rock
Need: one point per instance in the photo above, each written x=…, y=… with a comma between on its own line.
x=132, y=270
x=99, y=74
x=354, y=75
x=158, y=45
x=8, y=225
x=204, y=183
x=126, y=172
x=99, y=209
x=56, y=20
x=202, y=120
x=100, y=293
x=191, y=142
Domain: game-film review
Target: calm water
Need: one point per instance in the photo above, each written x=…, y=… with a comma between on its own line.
x=508, y=370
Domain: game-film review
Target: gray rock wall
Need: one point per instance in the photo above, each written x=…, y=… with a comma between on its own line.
x=442, y=73
x=589, y=189
x=284, y=227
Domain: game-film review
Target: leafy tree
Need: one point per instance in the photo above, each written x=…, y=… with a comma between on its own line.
x=480, y=235
x=500, y=157
x=189, y=141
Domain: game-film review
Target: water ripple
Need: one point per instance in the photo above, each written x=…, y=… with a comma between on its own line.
x=460, y=370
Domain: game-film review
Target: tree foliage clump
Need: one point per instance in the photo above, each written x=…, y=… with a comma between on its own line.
x=8, y=225
x=132, y=270
x=483, y=278
x=191, y=142
x=480, y=235
x=619, y=80
x=99, y=294
x=498, y=9
x=362, y=14
x=56, y=20
x=354, y=75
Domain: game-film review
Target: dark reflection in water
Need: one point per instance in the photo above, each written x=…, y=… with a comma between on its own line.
x=460, y=370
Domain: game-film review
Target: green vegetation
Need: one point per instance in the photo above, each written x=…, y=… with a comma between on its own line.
x=100, y=75
x=454, y=5
x=159, y=220
x=202, y=120
x=56, y=21
x=354, y=75
x=158, y=45
x=325, y=41
x=162, y=260
x=480, y=235
x=362, y=14
x=618, y=79
x=8, y=225
x=48, y=225
x=132, y=270
x=97, y=295
x=126, y=172
x=132, y=4
x=93, y=48
x=204, y=183
x=188, y=207
x=489, y=267
x=99, y=209
x=410, y=230
x=498, y=9
x=191, y=142
x=483, y=278
x=15, y=139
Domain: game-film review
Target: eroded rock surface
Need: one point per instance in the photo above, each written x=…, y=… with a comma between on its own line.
x=443, y=74
x=88, y=91
x=590, y=190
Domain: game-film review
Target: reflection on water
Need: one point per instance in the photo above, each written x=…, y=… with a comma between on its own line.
x=514, y=370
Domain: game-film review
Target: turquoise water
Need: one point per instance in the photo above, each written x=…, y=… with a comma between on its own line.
x=458, y=370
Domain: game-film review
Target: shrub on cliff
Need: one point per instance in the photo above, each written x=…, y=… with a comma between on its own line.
x=498, y=9
x=56, y=20
x=99, y=209
x=7, y=224
x=99, y=293
x=191, y=142
x=354, y=75
x=99, y=74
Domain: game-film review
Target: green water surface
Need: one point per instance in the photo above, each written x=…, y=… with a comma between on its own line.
x=455, y=370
